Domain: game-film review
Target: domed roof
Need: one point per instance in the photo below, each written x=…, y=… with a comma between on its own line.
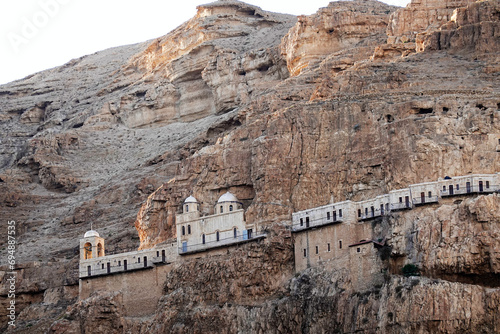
x=91, y=233
x=227, y=197
x=191, y=199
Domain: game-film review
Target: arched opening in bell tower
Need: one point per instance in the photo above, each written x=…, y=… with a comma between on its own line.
x=87, y=248
x=99, y=250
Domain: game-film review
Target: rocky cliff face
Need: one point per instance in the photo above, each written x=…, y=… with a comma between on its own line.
x=286, y=115
x=341, y=27
x=420, y=16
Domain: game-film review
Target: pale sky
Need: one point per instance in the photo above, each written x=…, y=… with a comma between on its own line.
x=40, y=34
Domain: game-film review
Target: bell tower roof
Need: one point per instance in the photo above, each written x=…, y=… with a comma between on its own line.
x=91, y=233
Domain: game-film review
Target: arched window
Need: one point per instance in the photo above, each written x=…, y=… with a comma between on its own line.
x=189, y=229
x=187, y=208
x=203, y=239
x=217, y=234
x=99, y=250
x=231, y=208
x=235, y=232
x=221, y=209
x=87, y=251
x=184, y=230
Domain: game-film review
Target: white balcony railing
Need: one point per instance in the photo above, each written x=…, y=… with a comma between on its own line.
x=304, y=225
x=185, y=249
x=424, y=200
x=400, y=206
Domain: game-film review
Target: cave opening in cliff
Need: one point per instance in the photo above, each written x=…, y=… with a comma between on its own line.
x=263, y=68
x=424, y=111
x=481, y=107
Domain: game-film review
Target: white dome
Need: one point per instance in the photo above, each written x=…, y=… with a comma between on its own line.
x=227, y=197
x=191, y=199
x=91, y=233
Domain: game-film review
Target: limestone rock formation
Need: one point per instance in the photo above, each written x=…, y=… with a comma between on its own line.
x=339, y=27
x=420, y=16
x=287, y=115
x=471, y=28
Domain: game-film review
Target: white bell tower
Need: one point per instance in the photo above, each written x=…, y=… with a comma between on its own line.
x=91, y=246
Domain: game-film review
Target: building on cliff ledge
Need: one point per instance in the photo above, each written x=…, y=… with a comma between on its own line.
x=195, y=234
x=227, y=226
x=348, y=234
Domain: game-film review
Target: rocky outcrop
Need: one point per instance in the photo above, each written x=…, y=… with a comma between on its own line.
x=339, y=27
x=209, y=65
x=97, y=314
x=419, y=16
x=457, y=241
x=475, y=28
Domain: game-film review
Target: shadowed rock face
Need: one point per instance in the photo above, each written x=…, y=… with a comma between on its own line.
x=286, y=115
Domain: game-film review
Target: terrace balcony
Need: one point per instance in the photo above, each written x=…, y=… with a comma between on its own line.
x=401, y=206
x=239, y=239
x=297, y=226
x=425, y=200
